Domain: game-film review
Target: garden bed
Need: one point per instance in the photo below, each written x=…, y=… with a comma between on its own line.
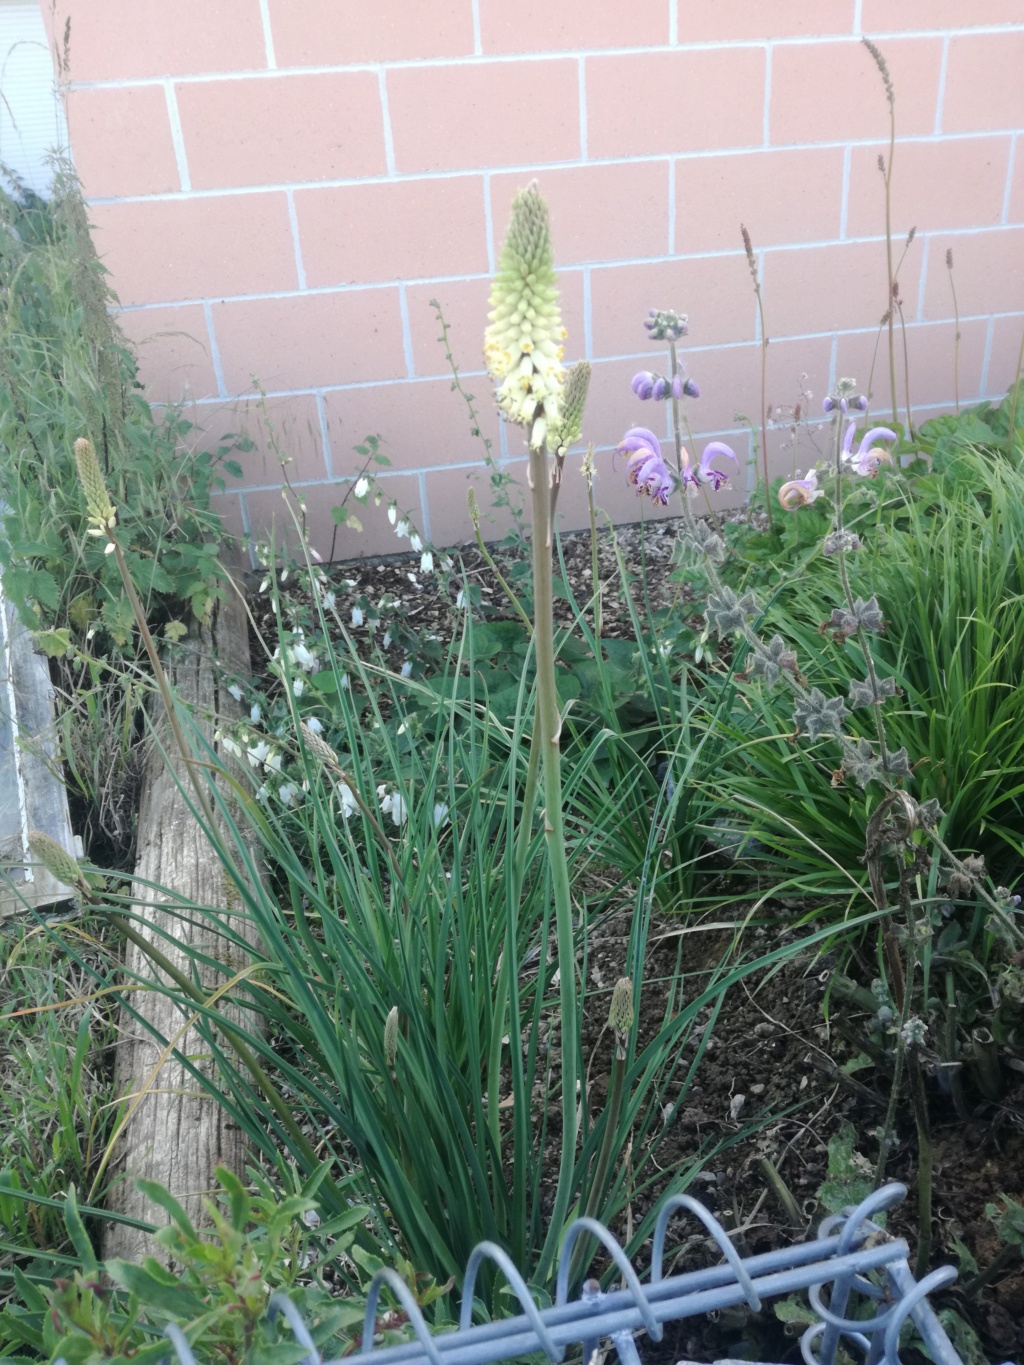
x=767, y=1088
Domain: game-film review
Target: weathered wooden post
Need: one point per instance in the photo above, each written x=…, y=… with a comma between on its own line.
x=177, y=1134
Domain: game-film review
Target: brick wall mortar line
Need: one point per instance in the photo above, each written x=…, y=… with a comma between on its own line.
x=478, y=46
x=766, y=114
x=218, y=369
x=533, y=168
x=581, y=77
x=986, y=358
x=858, y=22
x=673, y=23
x=325, y=435
x=489, y=224
x=924, y=240
x=632, y=357
x=177, y=137
x=401, y=64
x=565, y=270
x=588, y=317
x=403, y=310
x=844, y=203
x=1004, y=216
x=940, y=95
x=670, y=247
x=389, y=140
x=268, y=35
x=424, y=529
x=293, y=222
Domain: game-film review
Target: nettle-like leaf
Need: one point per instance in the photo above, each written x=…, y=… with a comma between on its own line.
x=845, y=621
x=817, y=715
x=861, y=762
x=863, y=693
x=771, y=659
x=705, y=541
x=726, y=612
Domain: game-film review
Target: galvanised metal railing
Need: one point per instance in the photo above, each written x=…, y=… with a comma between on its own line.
x=872, y=1295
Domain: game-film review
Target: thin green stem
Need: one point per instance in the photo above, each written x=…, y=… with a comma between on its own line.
x=547, y=724
x=844, y=578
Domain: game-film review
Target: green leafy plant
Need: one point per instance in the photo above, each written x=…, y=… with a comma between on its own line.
x=224, y=1293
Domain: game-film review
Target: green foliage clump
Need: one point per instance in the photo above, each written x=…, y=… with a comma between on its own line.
x=66, y=372
x=224, y=1293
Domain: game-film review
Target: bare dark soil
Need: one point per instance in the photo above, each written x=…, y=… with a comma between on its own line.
x=769, y=1084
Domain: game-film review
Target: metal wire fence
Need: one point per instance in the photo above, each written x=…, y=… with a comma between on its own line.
x=871, y=1298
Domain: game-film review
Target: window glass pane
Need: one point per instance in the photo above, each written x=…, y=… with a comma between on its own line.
x=31, y=117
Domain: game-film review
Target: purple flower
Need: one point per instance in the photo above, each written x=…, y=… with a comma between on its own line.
x=800, y=492
x=646, y=468
x=662, y=388
x=867, y=458
x=715, y=477
x=677, y=386
x=643, y=384
x=691, y=388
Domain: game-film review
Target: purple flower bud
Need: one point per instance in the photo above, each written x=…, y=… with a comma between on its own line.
x=643, y=384
x=677, y=386
x=691, y=388
x=661, y=388
x=862, y=402
x=843, y=405
x=828, y=405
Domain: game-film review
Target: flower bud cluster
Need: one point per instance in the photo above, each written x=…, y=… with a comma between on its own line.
x=664, y=324
x=523, y=343
x=647, y=385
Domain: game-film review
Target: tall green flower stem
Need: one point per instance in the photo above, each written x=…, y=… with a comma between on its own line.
x=546, y=735
x=886, y=169
x=523, y=349
x=752, y=263
x=844, y=578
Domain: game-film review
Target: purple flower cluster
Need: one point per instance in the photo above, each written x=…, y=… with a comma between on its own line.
x=646, y=468
x=647, y=471
x=867, y=457
x=845, y=404
x=647, y=385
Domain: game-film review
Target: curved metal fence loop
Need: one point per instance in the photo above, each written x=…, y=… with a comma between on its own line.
x=721, y=1238
x=904, y=1308
x=591, y=1225
x=402, y=1292
x=491, y=1251
x=281, y=1304
x=866, y=1269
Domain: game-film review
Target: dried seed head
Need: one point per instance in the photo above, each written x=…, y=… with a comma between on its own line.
x=880, y=62
x=318, y=746
x=748, y=247
x=391, y=1036
x=620, y=1013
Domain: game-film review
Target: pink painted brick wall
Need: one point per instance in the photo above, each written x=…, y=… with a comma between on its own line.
x=281, y=187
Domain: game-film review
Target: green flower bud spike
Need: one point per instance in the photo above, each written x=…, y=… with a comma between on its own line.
x=523, y=344
x=391, y=1037
x=620, y=1014
x=570, y=427
x=57, y=861
x=102, y=513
